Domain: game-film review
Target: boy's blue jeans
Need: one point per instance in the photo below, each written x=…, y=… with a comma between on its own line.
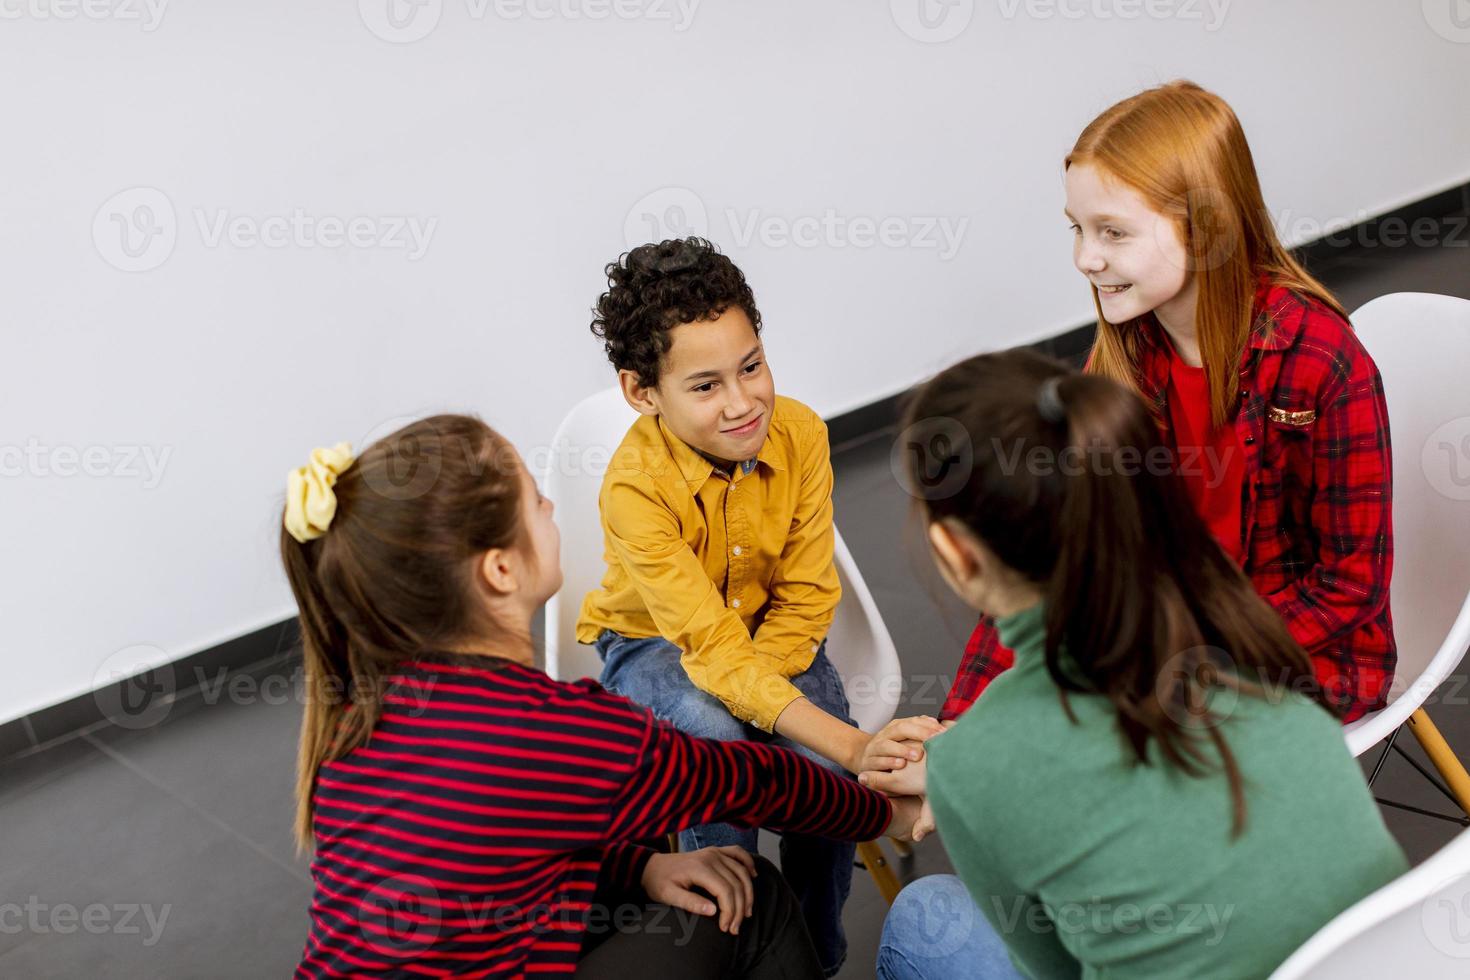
x=819, y=870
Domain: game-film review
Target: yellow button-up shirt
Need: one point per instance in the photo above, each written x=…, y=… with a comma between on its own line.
x=734, y=569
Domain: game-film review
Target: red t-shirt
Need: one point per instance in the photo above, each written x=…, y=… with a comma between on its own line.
x=1211, y=461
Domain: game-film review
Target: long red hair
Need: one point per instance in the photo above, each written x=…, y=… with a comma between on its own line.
x=1182, y=149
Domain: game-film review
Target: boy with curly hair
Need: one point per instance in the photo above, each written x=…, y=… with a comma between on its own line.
x=717, y=521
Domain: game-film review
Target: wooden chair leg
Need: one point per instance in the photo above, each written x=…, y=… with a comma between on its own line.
x=1442, y=757
x=878, y=866
x=673, y=843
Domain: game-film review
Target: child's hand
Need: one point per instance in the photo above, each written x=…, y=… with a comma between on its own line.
x=924, y=826
x=724, y=872
x=908, y=781
x=907, y=812
x=898, y=743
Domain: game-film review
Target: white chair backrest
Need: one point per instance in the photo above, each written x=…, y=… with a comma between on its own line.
x=1416, y=927
x=580, y=452
x=859, y=646
x=858, y=643
x=1421, y=344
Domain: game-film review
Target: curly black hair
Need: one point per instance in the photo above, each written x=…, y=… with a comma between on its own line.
x=656, y=287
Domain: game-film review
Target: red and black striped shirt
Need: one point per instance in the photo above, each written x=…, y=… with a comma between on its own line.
x=466, y=838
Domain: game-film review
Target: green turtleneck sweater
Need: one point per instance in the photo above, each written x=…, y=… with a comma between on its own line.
x=1089, y=865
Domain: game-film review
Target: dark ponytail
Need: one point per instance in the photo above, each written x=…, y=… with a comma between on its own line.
x=1069, y=484
x=392, y=577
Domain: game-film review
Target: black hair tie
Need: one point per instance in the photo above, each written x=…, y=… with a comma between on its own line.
x=1049, y=399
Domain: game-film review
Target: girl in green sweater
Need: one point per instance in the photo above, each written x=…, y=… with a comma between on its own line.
x=1155, y=789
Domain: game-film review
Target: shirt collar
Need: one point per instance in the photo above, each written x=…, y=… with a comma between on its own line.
x=1277, y=317
x=1273, y=325
x=696, y=468
x=1024, y=632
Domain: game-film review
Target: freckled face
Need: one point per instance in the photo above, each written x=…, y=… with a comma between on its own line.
x=1132, y=255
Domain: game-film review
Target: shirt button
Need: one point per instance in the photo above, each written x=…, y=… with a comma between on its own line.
x=737, y=549
x=815, y=647
x=735, y=603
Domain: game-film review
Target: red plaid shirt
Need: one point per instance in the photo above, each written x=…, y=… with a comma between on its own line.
x=1316, y=521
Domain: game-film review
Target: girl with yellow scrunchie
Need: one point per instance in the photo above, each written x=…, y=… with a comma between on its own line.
x=468, y=812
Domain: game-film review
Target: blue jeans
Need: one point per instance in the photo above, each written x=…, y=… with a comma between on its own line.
x=819, y=870
x=934, y=931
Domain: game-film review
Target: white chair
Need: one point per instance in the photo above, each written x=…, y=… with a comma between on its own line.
x=1416, y=926
x=858, y=642
x=1421, y=344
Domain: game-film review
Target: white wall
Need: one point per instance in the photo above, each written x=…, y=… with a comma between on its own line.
x=533, y=146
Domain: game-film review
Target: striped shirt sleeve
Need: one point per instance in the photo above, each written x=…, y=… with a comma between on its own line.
x=679, y=781
x=623, y=863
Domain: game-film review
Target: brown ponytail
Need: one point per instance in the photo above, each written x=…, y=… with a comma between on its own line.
x=1073, y=488
x=392, y=576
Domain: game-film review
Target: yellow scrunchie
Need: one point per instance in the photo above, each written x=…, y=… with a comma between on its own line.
x=310, y=502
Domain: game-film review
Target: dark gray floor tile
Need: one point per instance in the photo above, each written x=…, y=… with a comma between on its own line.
x=97, y=851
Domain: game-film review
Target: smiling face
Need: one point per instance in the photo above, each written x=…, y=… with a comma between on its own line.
x=715, y=391
x=1132, y=254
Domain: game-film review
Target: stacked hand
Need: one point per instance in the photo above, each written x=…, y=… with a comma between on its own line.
x=898, y=743
x=895, y=763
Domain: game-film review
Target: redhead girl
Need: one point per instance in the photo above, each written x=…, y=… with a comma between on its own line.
x=1251, y=370
x=1155, y=789
x=473, y=817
